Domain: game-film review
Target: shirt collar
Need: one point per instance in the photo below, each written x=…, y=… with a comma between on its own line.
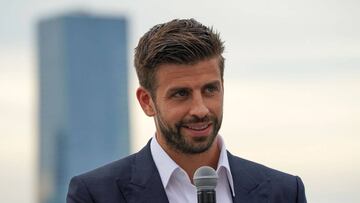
x=161, y=158
x=224, y=163
x=168, y=166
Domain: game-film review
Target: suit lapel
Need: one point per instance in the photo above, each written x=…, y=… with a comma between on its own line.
x=248, y=188
x=145, y=183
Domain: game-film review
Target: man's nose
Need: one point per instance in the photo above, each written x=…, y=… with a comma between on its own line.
x=198, y=107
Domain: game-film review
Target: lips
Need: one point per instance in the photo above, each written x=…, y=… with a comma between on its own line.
x=198, y=129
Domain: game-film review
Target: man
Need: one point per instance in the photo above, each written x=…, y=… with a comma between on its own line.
x=180, y=69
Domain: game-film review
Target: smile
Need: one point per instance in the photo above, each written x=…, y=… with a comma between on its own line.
x=197, y=127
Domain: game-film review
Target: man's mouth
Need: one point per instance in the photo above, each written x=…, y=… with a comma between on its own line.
x=197, y=126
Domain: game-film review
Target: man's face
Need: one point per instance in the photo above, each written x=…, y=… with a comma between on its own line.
x=188, y=105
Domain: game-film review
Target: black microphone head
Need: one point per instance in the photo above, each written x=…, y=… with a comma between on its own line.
x=205, y=178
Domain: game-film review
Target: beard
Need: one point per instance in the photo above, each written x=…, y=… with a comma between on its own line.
x=177, y=141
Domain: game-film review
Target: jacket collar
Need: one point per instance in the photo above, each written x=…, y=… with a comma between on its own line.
x=249, y=188
x=144, y=183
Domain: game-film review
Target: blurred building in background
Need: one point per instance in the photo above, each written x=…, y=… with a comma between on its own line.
x=83, y=104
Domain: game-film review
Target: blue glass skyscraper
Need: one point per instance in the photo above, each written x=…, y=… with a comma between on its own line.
x=83, y=98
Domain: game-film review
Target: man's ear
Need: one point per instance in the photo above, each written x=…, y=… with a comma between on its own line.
x=145, y=100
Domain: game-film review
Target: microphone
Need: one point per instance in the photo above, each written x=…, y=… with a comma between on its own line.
x=205, y=180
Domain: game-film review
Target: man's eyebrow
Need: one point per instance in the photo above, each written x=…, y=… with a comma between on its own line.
x=175, y=89
x=213, y=83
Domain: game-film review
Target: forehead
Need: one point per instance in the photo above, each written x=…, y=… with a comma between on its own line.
x=184, y=75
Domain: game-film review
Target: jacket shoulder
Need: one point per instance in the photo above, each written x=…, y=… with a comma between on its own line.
x=258, y=171
x=113, y=170
x=101, y=184
x=282, y=185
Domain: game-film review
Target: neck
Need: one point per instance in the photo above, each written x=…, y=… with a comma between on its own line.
x=191, y=162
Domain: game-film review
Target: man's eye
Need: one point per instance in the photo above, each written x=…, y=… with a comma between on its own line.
x=211, y=89
x=181, y=93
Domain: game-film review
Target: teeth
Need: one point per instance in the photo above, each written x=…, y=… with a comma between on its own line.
x=197, y=127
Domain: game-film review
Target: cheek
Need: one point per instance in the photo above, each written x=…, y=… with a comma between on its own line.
x=216, y=105
x=174, y=113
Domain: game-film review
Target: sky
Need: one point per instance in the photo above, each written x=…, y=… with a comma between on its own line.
x=292, y=80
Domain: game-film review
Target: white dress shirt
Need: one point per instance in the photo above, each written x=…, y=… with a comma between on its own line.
x=177, y=184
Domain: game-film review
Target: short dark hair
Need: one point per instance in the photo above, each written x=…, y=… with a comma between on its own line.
x=180, y=41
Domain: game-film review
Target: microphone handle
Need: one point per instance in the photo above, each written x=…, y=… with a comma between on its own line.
x=206, y=196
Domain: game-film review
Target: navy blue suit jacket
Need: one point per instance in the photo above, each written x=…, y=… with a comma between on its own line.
x=135, y=179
